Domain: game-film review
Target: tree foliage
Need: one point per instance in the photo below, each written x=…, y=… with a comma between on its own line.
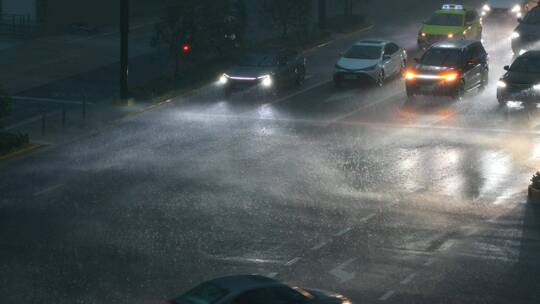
x=208, y=25
x=286, y=15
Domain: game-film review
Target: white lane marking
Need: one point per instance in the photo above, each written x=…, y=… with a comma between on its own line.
x=367, y=218
x=408, y=279
x=387, y=295
x=447, y=245
x=429, y=262
x=292, y=262
x=272, y=274
x=340, y=273
x=343, y=232
x=51, y=100
x=47, y=190
x=320, y=245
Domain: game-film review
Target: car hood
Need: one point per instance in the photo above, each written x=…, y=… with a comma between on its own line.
x=432, y=70
x=441, y=30
x=356, y=64
x=250, y=72
x=522, y=78
x=502, y=3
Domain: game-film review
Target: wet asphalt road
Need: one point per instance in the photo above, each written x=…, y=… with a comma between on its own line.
x=352, y=190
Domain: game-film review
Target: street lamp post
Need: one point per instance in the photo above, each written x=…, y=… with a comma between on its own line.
x=124, y=48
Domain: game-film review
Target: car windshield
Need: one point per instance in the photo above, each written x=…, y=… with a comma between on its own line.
x=206, y=293
x=441, y=57
x=258, y=60
x=364, y=52
x=526, y=65
x=533, y=17
x=446, y=20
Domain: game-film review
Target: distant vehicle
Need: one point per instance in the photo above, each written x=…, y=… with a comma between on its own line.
x=374, y=60
x=252, y=289
x=527, y=34
x=268, y=70
x=503, y=8
x=451, y=22
x=521, y=82
x=449, y=69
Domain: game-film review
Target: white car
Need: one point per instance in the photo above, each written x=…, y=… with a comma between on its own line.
x=374, y=60
x=514, y=8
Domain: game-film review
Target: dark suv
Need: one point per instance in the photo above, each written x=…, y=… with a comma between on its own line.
x=527, y=35
x=449, y=69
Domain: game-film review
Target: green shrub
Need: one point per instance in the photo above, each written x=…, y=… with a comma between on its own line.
x=12, y=141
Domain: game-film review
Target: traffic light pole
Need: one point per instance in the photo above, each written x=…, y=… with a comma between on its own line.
x=124, y=48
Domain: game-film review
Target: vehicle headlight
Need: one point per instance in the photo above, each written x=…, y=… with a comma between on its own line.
x=515, y=35
x=516, y=8
x=223, y=79
x=423, y=34
x=536, y=87
x=450, y=36
x=267, y=81
x=501, y=84
x=486, y=8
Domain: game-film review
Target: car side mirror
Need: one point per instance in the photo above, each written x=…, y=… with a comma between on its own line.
x=507, y=68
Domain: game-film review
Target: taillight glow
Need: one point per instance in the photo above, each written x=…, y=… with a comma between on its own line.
x=450, y=76
x=410, y=75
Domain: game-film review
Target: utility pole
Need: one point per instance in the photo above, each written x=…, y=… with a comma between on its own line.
x=124, y=48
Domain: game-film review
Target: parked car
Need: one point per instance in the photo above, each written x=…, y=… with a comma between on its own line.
x=527, y=34
x=251, y=289
x=521, y=82
x=373, y=60
x=268, y=70
x=449, y=69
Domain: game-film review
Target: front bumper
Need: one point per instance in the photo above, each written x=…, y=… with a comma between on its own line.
x=528, y=95
x=432, y=87
x=236, y=85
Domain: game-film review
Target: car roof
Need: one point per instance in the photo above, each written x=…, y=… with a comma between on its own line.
x=456, y=44
x=240, y=283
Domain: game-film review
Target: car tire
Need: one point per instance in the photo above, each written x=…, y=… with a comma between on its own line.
x=459, y=91
x=380, y=78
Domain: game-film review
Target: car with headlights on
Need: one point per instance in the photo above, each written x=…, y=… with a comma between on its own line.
x=449, y=69
x=498, y=8
x=254, y=289
x=451, y=22
x=268, y=70
x=521, y=82
x=527, y=34
x=372, y=60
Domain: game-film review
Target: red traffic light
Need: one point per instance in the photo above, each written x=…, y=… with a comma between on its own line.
x=186, y=48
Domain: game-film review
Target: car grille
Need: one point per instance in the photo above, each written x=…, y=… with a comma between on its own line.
x=517, y=88
x=436, y=38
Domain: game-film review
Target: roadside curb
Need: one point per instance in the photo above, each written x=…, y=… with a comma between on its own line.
x=22, y=152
